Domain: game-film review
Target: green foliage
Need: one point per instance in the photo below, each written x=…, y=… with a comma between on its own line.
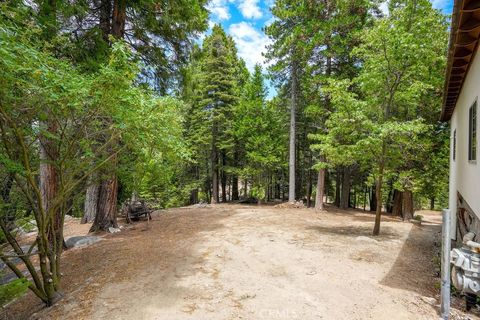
x=213, y=85
x=86, y=120
x=13, y=290
x=260, y=127
x=154, y=134
x=389, y=123
x=367, y=92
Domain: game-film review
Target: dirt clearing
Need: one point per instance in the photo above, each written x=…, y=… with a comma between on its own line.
x=253, y=262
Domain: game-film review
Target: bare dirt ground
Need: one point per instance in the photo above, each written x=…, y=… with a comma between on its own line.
x=252, y=262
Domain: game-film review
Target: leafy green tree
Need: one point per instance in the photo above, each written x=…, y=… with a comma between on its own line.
x=35, y=87
x=398, y=71
x=155, y=148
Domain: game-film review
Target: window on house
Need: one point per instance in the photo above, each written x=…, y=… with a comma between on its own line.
x=472, y=132
x=454, y=151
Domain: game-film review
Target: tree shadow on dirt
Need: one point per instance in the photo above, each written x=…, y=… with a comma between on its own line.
x=167, y=245
x=354, y=231
x=417, y=266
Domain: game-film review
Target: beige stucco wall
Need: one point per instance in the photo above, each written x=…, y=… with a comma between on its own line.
x=464, y=174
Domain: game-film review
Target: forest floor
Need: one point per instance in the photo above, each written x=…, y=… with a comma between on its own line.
x=252, y=262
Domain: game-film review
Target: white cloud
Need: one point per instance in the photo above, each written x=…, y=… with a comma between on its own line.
x=440, y=4
x=250, y=9
x=219, y=8
x=251, y=43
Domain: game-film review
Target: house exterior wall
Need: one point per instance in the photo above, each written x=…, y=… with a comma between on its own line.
x=464, y=187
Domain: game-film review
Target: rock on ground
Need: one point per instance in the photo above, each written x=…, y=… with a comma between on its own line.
x=81, y=241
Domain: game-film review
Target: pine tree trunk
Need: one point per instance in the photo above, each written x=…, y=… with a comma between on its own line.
x=104, y=21
x=107, y=206
x=48, y=179
x=407, y=210
x=245, y=190
x=235, y=188
x=224, y=187
x=309, y=189
x=214, y=159
x=207, y=183
x=224, y=179
x=215, y=196
x=118, y=18
x=344, y=199
x=106, y=215
x=320, y=190
x=354, y=201
x=432, y=203
x=91, y=202
x=397, y=203
x=235, y=194
x=291, y=160
x=338, y=184
x=193, y=196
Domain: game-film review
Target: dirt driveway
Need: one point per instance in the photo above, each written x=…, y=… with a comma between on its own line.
x=250, y=262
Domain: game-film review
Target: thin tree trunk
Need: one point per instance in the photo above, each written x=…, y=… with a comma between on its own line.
x=207, y=182
x=373, y=199
x=235, y=188
x=338, y=180
x=378, y=213
x=224, y=179
x=365, y=197
x=214, y=155
x=291, y=160
x=354, y=202
x=194, y=196
x=309, y=189
x=245, y=190
x=432, y=203
x=320, y=190
x=344, y=199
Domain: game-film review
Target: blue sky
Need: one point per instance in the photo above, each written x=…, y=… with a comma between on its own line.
x=244, y=20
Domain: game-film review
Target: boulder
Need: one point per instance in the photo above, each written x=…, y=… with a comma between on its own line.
x=81, y=241
x=114, y=230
